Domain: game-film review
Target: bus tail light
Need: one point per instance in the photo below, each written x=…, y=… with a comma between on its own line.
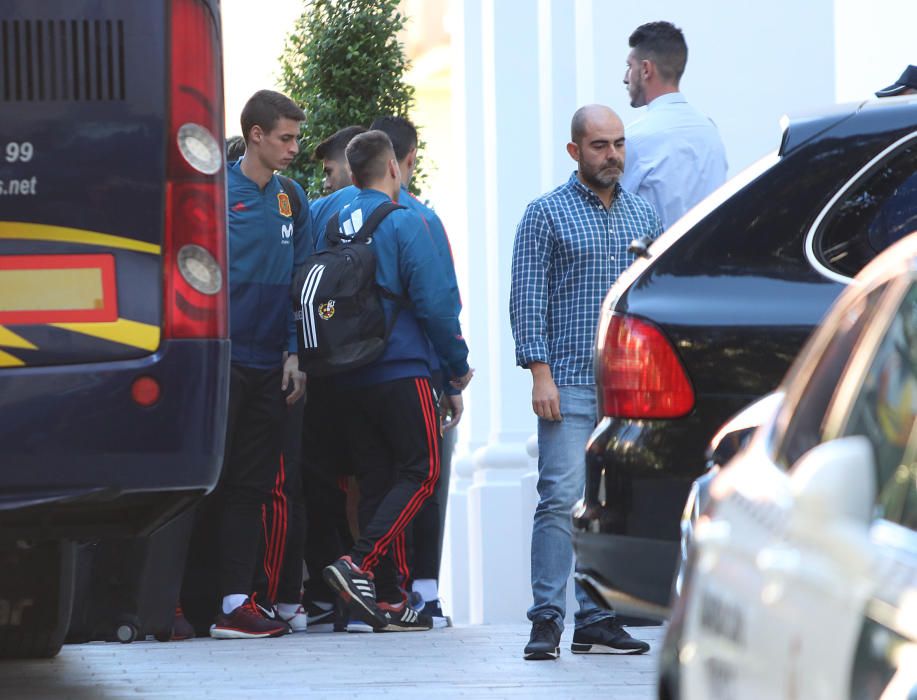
x=194, y=250
x=639, y=373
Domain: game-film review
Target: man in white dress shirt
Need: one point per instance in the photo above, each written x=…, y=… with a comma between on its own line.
x=675, y=156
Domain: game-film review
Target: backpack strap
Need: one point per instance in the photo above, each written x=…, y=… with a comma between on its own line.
x=369, y=226
x=333, y=236
x=295, y=202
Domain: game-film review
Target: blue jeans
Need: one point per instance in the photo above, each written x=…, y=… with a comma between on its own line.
x=561, y=480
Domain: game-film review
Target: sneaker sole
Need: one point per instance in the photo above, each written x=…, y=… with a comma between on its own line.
x=317, y=627
x=360, y=629
x=542, y=655
x=397, y=628
x=230, y=633
x=602, y=649
x=336, y=580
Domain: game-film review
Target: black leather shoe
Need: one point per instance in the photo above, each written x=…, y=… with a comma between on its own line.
x=606, y=637
x=544, y=641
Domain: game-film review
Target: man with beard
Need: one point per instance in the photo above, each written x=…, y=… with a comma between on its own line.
x=675, y=154
x=570, y=247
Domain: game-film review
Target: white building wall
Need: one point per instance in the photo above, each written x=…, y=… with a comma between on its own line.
x=521, y=68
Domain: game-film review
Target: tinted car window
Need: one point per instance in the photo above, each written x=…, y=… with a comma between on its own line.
x=897, y=500
x=804, y=430
x=885, y=406
x=873, y=214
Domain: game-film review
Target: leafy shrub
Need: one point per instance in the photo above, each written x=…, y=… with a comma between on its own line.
x=343, y=64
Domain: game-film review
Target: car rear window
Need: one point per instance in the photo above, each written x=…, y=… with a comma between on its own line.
x=878, y=210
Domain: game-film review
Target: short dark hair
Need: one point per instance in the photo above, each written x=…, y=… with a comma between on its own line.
x=664, y=44
x=367, y=155
x=332, y=148
x=235, y=148
x=265, y=108
x=400, y=130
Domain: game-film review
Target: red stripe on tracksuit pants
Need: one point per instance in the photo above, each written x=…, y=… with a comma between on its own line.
x=400, y=555
x=393, y=433
x=275, y=534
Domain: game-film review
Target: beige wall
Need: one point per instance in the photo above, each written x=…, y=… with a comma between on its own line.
x=426, y=43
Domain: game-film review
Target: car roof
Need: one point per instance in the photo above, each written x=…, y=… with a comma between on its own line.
x=802, y=127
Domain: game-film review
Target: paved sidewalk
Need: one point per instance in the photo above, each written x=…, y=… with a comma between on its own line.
x=473, y=661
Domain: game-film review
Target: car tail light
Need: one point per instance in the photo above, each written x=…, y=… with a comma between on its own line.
x=639, y=374
x=194, y=250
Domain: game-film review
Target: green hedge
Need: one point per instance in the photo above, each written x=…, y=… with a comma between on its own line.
x=343, y=64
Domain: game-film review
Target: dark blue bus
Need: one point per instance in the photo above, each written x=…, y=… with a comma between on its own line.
x=114, y=349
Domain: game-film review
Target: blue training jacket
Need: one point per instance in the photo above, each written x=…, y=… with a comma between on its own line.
x=444, y=251
x=265, y=244
x=408, y=264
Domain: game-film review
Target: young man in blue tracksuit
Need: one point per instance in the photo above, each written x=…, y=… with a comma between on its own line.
x=266, y=242
x=419, y=559
x=391, y=425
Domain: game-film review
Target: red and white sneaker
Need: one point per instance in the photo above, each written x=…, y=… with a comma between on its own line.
x=246, y=622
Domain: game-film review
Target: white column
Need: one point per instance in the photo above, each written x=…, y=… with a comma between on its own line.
x=498, y=557
x=467, y=212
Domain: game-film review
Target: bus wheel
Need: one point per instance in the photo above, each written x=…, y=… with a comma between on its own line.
x=36, y=597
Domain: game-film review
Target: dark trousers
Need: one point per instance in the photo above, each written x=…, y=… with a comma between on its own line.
x=325, y=461
x=392, y=430
x=229, y=523
x=280, y=578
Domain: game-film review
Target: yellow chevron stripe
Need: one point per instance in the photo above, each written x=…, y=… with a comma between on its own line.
x=133, y=333
x=7, y=360
x=8, y=339
x=43, y=232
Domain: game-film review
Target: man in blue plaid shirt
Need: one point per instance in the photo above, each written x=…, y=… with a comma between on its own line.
x=570, y=247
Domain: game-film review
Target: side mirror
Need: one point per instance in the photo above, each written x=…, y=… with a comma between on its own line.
x=836, y=480
x=640, y=247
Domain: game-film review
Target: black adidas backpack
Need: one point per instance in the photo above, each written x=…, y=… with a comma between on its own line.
x=337, y=303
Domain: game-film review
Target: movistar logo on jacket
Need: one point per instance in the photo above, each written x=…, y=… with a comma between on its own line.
x=286, y=233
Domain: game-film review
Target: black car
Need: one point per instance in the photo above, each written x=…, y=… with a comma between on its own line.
x=709, y=318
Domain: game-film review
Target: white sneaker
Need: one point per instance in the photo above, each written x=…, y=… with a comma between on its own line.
x=298, y=621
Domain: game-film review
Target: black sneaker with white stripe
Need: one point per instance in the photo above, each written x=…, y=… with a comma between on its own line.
x=435, y=611
x=606, y=637
x=356, y=589
x=544, y=641
x=403, y=618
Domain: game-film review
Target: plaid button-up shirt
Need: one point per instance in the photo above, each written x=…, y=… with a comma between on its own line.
x=568, y=251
